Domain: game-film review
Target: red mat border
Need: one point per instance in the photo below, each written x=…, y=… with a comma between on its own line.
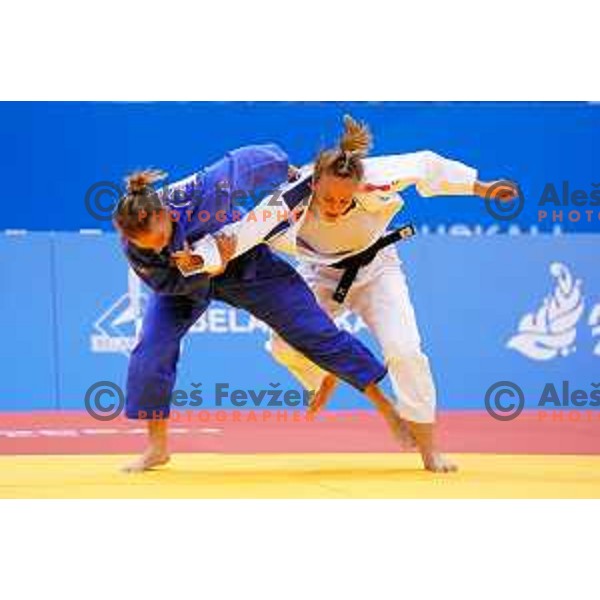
x=74, y=432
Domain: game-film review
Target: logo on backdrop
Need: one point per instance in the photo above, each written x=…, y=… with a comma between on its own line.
x=118, y=328
x=551, y=330
x=594, y=323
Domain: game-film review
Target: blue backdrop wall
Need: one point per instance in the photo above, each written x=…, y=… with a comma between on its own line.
x=524, y=308
x=51, y=153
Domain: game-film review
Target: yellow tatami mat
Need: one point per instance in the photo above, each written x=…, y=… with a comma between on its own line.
x=301, y=476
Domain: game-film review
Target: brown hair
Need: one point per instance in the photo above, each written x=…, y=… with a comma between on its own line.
x=345, y=160
x=135, y=209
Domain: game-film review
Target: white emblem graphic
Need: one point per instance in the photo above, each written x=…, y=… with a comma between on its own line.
x=594, y=323
x=118, y=328
x=551, y=331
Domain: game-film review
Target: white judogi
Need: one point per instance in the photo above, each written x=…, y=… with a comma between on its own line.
x=379, y=294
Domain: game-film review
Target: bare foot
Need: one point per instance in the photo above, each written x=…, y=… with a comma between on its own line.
x=401, y=428
x=438, y=463
x=147, y=461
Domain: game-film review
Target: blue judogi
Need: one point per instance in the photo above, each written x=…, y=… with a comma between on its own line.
x=258, y=281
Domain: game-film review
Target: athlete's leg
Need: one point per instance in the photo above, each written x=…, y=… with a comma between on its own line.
x=310, y=375
x=271, y=290
x=382, y=300
x=153, y=367
x=317, y=381
x=276, y=294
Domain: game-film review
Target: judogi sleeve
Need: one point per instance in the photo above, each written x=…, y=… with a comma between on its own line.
x=161, y=277
x=432, y=174
x=257, y=170
x=254, y=171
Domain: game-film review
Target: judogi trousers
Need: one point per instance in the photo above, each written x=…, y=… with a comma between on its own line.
x=380, y=297
x=268, y=288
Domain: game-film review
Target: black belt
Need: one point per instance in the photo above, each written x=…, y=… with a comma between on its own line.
x=352, y=264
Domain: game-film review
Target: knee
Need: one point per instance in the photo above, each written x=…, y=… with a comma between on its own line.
x=410, y=367
x=405, y=350
x=408, y=362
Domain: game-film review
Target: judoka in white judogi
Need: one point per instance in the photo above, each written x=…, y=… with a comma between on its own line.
x=379, y=294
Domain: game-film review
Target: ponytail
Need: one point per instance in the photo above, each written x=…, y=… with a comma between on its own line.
x=345, y=160
x=356, y=138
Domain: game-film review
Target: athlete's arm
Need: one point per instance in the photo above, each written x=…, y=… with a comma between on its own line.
x=502, y=190
x=161, y=277
x=189, y=263
x=431, y=174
